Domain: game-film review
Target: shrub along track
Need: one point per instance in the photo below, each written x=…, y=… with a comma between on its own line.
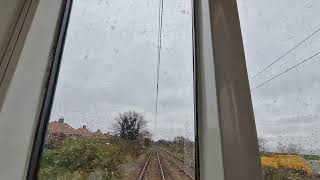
x=188, y=161
x=176, y=167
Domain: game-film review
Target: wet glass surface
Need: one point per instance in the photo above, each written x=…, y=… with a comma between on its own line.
x=281, y=41
x=124, y=106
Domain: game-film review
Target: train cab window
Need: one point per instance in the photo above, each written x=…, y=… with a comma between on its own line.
x=281, y=42
x=124, y=99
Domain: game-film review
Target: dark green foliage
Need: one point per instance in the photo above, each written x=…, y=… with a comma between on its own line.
x=311, y=157
x=283, y=174
x=130, y=125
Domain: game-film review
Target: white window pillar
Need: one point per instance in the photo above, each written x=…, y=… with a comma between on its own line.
x=227, y=132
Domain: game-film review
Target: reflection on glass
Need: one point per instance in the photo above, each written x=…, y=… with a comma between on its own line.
x=281, y=40
x=103, y=123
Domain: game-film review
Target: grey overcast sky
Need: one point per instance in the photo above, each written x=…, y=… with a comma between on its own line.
x=109, y=65
x=287, y=109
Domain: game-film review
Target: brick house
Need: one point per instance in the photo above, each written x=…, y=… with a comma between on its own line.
x=99, y=135
x=57, y=132
x=60, y=127
x=83, y=132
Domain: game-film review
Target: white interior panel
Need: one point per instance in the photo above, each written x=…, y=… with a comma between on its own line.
x=9, y=13
x=20, y=110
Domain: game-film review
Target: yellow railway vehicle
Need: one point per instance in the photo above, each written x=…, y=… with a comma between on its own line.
x=290, y=162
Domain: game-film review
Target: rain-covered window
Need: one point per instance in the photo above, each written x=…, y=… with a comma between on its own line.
x=124, y=101
x=282, y=49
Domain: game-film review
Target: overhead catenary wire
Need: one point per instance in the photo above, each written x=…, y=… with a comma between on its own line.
x=158, y=63
x=286, y=53
x=286, y=71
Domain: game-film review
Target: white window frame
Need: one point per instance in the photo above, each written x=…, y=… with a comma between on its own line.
x=25, y=81
x=15, y=20
x=227, y=131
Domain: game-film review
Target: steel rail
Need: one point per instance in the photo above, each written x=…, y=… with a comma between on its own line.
x=161, y=169
x=145, y=167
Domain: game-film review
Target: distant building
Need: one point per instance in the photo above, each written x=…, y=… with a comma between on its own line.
x=99, y=135
x=60, y=127
x=59, y=130
x=83, y=131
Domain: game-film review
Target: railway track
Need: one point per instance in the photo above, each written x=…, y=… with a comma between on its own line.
x=143, y=172
x=147, y=163
x=154, y=168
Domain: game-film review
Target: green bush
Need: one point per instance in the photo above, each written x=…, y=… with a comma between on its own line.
x=311, y=157
x=83, y=157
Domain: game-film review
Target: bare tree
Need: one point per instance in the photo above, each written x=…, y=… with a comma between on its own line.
x=130, y=125
x=182, y=143
x=290, y=148
x=293, y=148
x=262, y=145
x=281, y=147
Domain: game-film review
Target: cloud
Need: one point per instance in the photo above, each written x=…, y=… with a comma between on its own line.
x=287, y=108
x=109, y=65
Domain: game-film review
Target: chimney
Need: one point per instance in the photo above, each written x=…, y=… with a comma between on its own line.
x=61, y=120
x=84, y=127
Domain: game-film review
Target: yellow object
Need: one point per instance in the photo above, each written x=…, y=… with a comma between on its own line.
x=294, y=162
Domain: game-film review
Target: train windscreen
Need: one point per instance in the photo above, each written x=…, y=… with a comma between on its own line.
x=281, y=42
x=124, y=101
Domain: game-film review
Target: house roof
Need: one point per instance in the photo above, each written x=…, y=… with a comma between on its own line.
x=99, y=135
x=60, y=127
x=83, y=131
x=108, y=135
